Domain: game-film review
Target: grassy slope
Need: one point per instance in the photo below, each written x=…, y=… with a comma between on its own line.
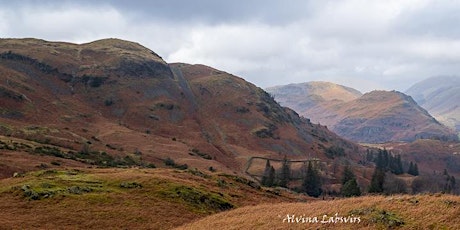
x=375, y=212
x=122, y=198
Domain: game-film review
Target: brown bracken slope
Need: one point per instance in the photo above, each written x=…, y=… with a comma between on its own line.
x=120, y=99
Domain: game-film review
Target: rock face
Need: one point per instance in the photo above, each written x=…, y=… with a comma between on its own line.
x=375, y=117
x=120, y=98
x=441, y=97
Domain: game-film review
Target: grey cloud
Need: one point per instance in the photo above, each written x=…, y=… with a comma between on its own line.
x=204, y=11
x=217, y=12
x=439, y=19
x=361, y=44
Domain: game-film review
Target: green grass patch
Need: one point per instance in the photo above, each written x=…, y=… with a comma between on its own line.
x=381, y=218
x=241, y=180
x=130, y=185
x=170, y=162
x=198, y=200
x=99, y=158
x=13, y=145
x=197, y=152
x=51, y=183
x=8, y=130
x=94, y=189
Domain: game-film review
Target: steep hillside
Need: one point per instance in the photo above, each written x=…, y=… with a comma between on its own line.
x=113, y=102
x=375, y=117
x=441, y=97
x=93, y=98
x=374, y=212
x=304, y=96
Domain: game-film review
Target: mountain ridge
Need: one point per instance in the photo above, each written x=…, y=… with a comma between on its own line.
x=374, y=117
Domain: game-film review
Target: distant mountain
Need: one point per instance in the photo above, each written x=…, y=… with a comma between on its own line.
x=375, y=117
x=120, y=103
x=441, y=97
x=384, y=116
x=303, y=96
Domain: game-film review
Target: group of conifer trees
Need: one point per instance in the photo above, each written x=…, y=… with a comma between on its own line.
x=270, y=178
x=311, y=179
x=384, y=179
x=391, y=163
x=385, y=163
x=311, y=182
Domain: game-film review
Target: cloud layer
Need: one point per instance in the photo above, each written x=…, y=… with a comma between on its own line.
x=363, y=44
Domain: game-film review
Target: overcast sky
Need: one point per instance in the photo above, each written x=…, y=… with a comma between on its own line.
x=358, y=43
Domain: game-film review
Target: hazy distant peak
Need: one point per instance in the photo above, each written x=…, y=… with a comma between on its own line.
x=432, y=84
x=326, y=90
x=440, y=95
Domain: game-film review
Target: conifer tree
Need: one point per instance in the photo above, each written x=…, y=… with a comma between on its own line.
x=271, y=177
x=410, y=170
x=383, y=160
x=453, y=185
x=378, y=178
x=386, y=159
x=449, y=186
x=285, y=175
x=312, y=181
x=395, y=164
x=347, y=175
x=351, y=188
x=413, y=169
x=268, y=177
x=399, y=168
x=349, y=185
x=369, y=155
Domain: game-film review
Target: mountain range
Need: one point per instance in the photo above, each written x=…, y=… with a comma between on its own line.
x=119, y=98
x=374, y=117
